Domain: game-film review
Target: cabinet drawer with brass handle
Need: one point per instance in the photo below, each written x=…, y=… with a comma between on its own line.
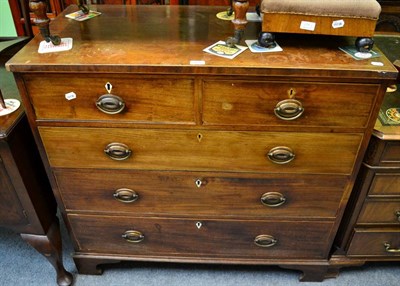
x=180, y=193
x=113, y=98
x=375, y=242
x=200, y=236
x=380, y=212
x=286, y=103
x=154, y=149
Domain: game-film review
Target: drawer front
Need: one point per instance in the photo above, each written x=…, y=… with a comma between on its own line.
x=200, y=150
x=146, y=99
x=203, y=237
x=385, y=184
x=175, y=193
x=254, y=103
x=370, y=242
x=391, y=154
x=380, y=212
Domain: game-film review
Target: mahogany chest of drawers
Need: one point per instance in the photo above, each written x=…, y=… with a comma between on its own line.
x=158, y=151
x=371, y=227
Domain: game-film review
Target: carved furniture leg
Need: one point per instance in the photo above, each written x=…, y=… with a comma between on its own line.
x=90, y=266
x=49, y=245
x=240, y=8
x=39, y=7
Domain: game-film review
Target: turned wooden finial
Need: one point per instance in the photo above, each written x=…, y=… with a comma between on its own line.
x=39, y=8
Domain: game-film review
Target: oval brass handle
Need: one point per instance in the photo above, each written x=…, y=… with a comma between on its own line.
x=118, y=151
x=289, y=109
x=264, y=240
x=110, y=104
x=133, y=236
x=125, y=195
x=281, y=155
x=389, y=249
x=273, y=199
x=397, y=214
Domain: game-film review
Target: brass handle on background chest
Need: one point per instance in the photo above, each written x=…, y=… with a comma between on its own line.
x=273, y=199
x=133, y=236
x=125, y=195
x=281, y=155
x=118, y=151
x=388, y=248
x=289, y=109
x=397, y=214
x=110, y=104
x=264, y=240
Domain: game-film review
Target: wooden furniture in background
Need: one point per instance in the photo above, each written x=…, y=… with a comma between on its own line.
x=158, y=151
x=23, y=18
x=370, y=230
x=389, y=20
x=27, y=204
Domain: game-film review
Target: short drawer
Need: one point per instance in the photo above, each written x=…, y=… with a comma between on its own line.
x=385, y=183
x=200, y=150
x=391, y=154
x=375, y=242
x=167, y=100
x=380, y=212
x=384, y=153
x=287, y=103
x=201, y=237
x=179, y=193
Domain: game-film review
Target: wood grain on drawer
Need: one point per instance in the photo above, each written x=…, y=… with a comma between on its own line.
x=184, y=193
x=201, y=237
x=147, y=99
x=385, y=184
x=253, y=103
x=380, y=212
x=375, y=242
x=200, y=150
x=391, y=154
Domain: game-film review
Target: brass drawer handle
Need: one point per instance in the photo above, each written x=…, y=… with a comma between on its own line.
x=397, y=214
x=289, y=109
x=389, y=249
x=281, y=155
x=118, y=151
x=133, y=236
x=110, y=104
x=125, y=195
x=273, y=199
x=264, y=240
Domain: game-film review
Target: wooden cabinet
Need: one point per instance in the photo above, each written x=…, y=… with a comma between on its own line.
x=158, y=151
x=371, y=228
x=375, y=233
x=27, y=204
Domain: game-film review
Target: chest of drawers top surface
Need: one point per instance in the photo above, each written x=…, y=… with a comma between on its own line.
x=167, y=39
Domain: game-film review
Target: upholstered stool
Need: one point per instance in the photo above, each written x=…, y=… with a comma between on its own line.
x=325, y=17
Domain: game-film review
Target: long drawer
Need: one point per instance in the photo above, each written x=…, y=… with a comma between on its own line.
x=380, y=212
x=375, y=242
x=228, y=102
x=179, y=193
x=202, y=237
x=200, y=150
x=145, y=99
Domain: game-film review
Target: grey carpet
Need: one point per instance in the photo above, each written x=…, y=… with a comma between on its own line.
x=22, y=265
